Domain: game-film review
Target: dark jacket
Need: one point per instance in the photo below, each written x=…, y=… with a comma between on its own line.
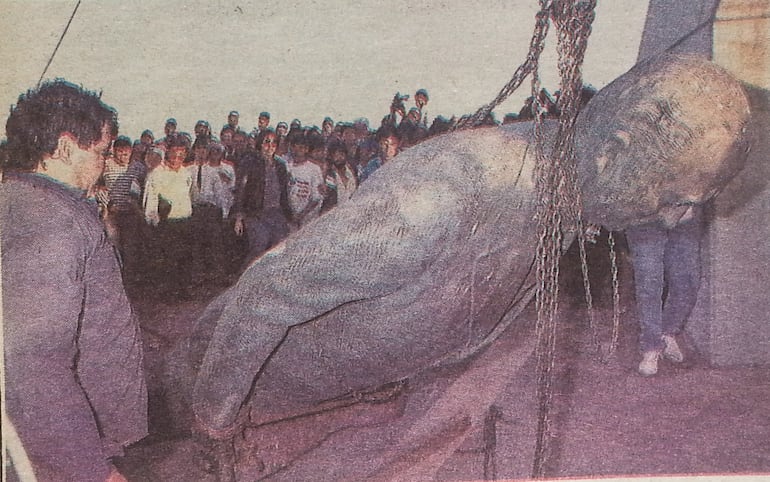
x=250, y=190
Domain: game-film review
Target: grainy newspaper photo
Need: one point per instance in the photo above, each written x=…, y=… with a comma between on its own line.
x=390, y=241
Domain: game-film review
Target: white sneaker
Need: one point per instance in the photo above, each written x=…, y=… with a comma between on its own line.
x=671, y=349
x=649, y=364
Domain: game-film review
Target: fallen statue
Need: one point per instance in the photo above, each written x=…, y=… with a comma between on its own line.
x=437, y=247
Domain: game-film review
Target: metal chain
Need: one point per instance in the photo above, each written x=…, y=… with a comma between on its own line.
x=536, y=46
x=558, y=193
x=559, y=202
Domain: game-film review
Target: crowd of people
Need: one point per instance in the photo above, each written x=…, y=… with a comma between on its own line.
x=191, y=210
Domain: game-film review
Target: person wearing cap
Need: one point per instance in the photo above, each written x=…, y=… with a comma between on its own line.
x=170, y=130
x=202, y=130
x=232, y=120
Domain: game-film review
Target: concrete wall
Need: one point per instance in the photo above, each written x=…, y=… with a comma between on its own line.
x=731, y=321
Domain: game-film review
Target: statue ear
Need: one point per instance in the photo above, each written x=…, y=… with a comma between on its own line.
x=618, y=142
x=623, y=139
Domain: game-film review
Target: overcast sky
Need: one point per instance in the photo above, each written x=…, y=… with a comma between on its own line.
x=199, y=59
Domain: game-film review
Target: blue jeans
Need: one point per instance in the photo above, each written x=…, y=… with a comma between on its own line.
x=671, y=258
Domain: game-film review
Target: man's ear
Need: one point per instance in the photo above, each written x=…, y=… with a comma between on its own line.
x=64, y=147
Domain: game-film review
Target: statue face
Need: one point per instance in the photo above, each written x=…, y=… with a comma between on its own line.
x=667, y=135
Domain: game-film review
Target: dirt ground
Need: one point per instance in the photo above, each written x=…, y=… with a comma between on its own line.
x=475, y=420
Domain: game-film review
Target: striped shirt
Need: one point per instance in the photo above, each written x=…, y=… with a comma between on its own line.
x=124, y=184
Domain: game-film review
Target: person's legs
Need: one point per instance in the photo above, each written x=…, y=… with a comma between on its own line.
x=258, y=237
x=683, y=269
x=646, y=245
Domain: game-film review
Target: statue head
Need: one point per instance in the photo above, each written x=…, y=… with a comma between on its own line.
x=668, y=134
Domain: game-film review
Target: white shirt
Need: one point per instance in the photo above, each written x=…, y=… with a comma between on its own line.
x=305, y=182
x=173, y=187
x=217, y=186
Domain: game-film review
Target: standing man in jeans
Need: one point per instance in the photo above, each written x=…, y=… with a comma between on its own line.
x=669, y=256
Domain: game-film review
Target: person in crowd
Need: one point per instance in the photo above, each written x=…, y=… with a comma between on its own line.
x=389, y=145
x=547, y=106
x=124, y=179
x=212, y=198
x=143, y=145
x=170, y=131
x=306, y=180
x=227, y=138
x=397, y=111
x=294, y=127
x=421, y=99
x=327, y=129
x=74, y=383
x=263, y=123
x=410, y=130
x=232, y=120
x=441, y=125
x=203, y=130
x=316, y=148
x=510, y=118
x=240, y=147
x=261, y=201
x=168, y=208
x=251, y=142
x=350, y=139
x=281, y=130
x=340, y=180
x=153, y=160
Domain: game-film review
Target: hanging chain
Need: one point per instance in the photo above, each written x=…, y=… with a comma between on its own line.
x=536, y=46
x=558, y=202
x=559, y=205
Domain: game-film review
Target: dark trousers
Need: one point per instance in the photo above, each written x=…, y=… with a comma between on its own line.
x=172, y=242
x=264, y=232
x=208, y=245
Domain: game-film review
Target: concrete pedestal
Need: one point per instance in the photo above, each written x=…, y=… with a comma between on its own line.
x=730, y=324
x=731, y=321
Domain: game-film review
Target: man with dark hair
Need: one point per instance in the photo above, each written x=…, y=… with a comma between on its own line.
x=232, y=120
x=168, y=207
x=261, y=210
x=170, y=130
x=124, y=179
x=74, y=383
x=389, y=144
x=263, y=123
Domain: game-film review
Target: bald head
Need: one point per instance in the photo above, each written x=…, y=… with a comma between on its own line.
x=668, y=134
